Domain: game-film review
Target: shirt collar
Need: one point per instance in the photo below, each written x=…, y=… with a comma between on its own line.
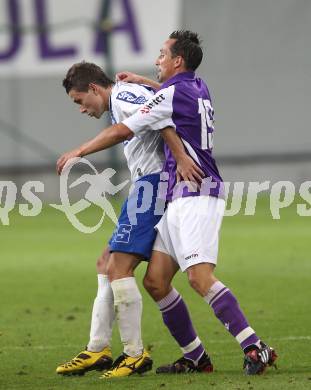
x=177, y=78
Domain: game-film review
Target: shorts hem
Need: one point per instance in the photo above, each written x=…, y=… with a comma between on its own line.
x=211, y=261
x=130, y=252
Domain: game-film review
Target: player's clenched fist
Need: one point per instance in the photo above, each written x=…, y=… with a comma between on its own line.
x=129, y=77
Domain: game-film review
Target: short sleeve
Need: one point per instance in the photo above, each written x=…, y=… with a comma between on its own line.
x=155, y=114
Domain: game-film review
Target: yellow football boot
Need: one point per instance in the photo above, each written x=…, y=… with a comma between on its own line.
x=87, y=361
x=126, y=365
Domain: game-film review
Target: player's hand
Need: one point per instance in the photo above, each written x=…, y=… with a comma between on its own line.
x=129, y=77
x=65, y=157
x=187, y=170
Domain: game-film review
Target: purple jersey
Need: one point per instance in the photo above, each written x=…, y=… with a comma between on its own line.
x=184, y=103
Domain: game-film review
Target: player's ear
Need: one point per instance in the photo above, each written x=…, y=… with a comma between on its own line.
x=94, y=88
x=179, y=62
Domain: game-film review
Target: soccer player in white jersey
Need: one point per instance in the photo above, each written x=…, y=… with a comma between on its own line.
x=89, y=87
x=188, y=232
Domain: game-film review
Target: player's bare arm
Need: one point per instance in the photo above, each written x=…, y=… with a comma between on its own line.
x=130, y=77
x=105, y=139
x=187, y=169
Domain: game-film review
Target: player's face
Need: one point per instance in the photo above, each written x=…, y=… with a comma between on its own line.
x=90, y=102
x=165, y=63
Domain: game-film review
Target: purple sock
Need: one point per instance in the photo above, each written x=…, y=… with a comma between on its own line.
x=176, y=317
x=227, y=310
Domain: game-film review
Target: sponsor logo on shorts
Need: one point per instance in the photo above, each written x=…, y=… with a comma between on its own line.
x=191, y=256
x=122, y=233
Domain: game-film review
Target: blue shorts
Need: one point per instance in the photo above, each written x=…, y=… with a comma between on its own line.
x=141, y=211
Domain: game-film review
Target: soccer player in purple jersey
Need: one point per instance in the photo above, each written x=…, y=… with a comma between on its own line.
x=188, y=232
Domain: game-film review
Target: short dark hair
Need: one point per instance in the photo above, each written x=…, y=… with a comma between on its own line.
x=187, y=46
x=80, y=75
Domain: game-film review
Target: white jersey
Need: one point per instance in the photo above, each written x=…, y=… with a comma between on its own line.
x=144, y=152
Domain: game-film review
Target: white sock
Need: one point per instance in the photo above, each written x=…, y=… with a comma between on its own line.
x=128, y=308
x=102, y=316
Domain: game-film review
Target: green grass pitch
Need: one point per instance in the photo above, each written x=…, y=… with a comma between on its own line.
x=48, y=283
